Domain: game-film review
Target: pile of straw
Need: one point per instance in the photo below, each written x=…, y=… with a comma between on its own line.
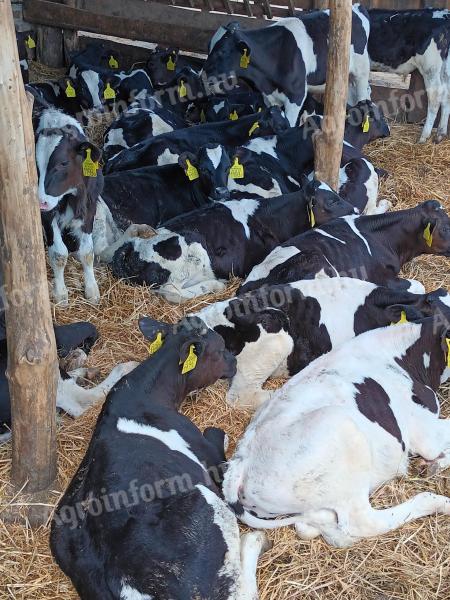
x=409, y=564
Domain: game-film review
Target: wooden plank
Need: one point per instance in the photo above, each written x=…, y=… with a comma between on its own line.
x=32, y=363
x=134, y=19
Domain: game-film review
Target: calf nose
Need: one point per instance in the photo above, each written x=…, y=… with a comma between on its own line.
x=222, y=192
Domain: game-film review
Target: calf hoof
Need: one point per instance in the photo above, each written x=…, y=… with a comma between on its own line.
x=422, y=139
x=440, y=136
x=250, y=401
x=61, y=299
x=140, y=231
x=258, y=540
x=5, y=437
x=92, y=294
x=75, y=360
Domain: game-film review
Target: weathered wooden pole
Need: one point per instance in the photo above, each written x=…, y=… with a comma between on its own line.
x=32, y=361
x=328, y=142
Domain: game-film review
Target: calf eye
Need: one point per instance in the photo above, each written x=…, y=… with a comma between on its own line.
x=64, y=164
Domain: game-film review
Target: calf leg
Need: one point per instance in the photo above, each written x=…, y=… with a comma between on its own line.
x=86, y=257
x=445, y=114
x=57, y=254
x=255, y=364
x=433, y=86
x=176, y=294
x=430, y=439
x=76, y=400
x=4, y=437
x=252, y=546
x=361, y=520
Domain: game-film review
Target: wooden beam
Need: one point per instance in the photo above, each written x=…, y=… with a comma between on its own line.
x=329, y=141
x=32, y=361
x=136, y=20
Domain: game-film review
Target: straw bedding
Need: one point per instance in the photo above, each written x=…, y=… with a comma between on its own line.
x=409, y=564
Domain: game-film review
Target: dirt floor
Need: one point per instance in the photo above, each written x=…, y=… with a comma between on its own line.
x=410, y=564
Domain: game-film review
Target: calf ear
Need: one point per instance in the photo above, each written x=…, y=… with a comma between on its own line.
x=184, y=157
x=188, y=353
x=96, y=153
x=402, y=313
x=150, y=328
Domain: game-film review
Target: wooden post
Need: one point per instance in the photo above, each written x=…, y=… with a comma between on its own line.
x=32, y=361
x=50, y=46
x=328, y=142
x=321, y=4
x=70, y=37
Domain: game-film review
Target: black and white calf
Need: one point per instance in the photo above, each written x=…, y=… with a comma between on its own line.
x=285, y=59
x=288, y=326
x=70, y=397
x=165, y=63
x=373, y=248
x=164, y=530
x=144, y=119
x=154, y=195
x=166, y=148
x=402, y=41
x=70, y=181
x=381, y=406
x=197, y=253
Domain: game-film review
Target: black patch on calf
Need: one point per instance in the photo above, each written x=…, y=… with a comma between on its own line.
x=425, y=397
x=127, y=264
x=374, y=403
x=169, y=249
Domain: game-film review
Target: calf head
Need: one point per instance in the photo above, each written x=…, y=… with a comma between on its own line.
x=365, y=123
x=162, y=65
x=269, y=121
x=213, y=165
x=184, y=87
x=61, y=153
x=324, y=204
x=200, y=353
x=434, y=228
x=95, y=90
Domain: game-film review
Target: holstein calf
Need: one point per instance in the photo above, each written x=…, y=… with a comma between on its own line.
x=165, y=63
x=330, y=451
x=145, y=505
x=70, y=397
x=373, y=248
x=283, y=60
x=402, y=41
x=165, y=149
x=144, y=119
x=70, y=181
x=195, y=254
x=154, y=195
x=288, y=326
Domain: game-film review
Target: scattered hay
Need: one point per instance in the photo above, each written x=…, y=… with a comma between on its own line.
x=40, y=73
x=409, y=564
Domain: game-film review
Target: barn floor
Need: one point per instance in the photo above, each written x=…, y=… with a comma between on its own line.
x=410, y=564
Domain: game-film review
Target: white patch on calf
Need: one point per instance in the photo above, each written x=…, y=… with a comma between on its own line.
x=167, y=158
x=160, y=126
x=251, y=188
x=279, y=255
x=304, y=42
x=426, y=360
x=322, y=232
x=92, y=80
x=129, y=593
x=45, y=146
x=215, y=155
x=218, y=107
x=172, y=439
x=350, y=220
x=226, y=521
x=260, y=145
x=52, y=118
x=115, y=138
x=241, y=210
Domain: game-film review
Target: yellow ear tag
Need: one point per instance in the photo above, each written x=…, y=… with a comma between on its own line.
x=113, y=62
x=30, y=43
x=89, y=166
x=70, y=91
x=253, y=128
x=312, y=218
x=245, y=60
x=182, y=90
x=427, y=235
x=191, y=171
x=237, y=170
x=366, y=124
x=202, y=116
x=402, y=320
x=448, y=352
x=170, y=64
x=234, y=116
x=156, y=344
x=191, y=361
x=109, y=93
